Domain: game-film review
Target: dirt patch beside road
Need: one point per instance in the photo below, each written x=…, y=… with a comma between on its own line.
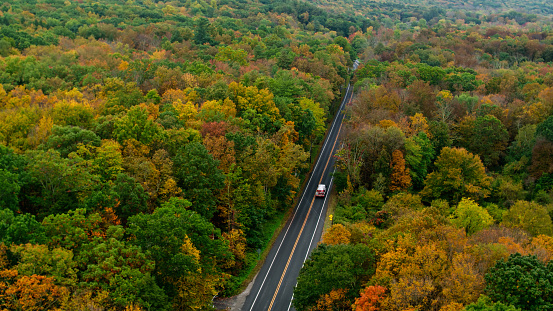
x=234, y=303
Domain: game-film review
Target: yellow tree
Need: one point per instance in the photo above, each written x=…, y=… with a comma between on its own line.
x=413, y=272
x=337, y=234
x=197, y=287
x=259, y=165
x=471, y=217
x=291, y=158
x=155, y=173
x=443, y=104
x=387, y=123
x=39, y=260
x=546, y=99
x=464, y=282
x=286, y=134
x=33, y=293
x=400, y=178
x=173, y=95
x=40, y=133
x=383, y=98
x=187, y=111
x=237, y=245
x=72, y=113
x=418, y=124
x=258, y=100
x=318, y=114
x=133, y=307
x=214, y=108
x=15, y=125
x=529, y=216
x=542, y=247
x=335, y=300
x=108, y=160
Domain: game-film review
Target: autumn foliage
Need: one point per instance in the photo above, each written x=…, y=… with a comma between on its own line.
x=370, y=299
x=146, y=146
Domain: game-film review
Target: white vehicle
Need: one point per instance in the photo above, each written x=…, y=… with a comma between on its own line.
x=321, y=191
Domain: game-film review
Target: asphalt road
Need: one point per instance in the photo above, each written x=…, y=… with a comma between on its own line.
x=274, y=285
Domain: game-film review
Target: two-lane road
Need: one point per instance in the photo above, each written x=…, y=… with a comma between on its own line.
x=274, y=285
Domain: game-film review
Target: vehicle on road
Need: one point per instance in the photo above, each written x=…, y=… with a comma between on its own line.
x=321, y=191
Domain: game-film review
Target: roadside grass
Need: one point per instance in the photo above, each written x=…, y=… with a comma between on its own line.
x=255, y=259
x=332, y=201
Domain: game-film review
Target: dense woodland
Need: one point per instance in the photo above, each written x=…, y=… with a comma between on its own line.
x=445, y=182
x=148, y=150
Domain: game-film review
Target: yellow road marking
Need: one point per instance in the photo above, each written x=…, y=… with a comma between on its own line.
x=303, y=225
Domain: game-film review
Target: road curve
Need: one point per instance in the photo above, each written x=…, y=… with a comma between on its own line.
x=274, y=284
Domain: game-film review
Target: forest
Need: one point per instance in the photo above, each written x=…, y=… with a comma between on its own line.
x=149, y=150
x=445, y=181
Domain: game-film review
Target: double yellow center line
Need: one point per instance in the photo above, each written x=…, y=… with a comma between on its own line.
x=304, y=222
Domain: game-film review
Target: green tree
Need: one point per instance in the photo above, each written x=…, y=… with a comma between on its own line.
x=458, y=174
x=285, y=58
x=228, y=54
x=120, y=95
x=38, y=259
x=136, y=125
x=20, y=229
x=285, y=84
x=439, y=135
x=124, y=196
x=201, y=34
x=461, y=82
x=131, y=197
x=371, y=200
x=333, y=267
x=11, y=161
x=523, y=143
x=66, y=139
x=419, y=155
x=485, y=136
x=521, y=281
x=468, y=102
x=72, y=230
x=545, y=129
x=164, y=234
x=123, y=271
x=342, y=42
x=471, y=217
x=318, y=114
x=199, y=177
x=62, y=182
x=378, y=144
x=433, y=75
x=9, y=190
x=484, y=303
